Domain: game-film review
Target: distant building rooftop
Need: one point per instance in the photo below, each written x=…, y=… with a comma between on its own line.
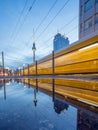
x=60, y=42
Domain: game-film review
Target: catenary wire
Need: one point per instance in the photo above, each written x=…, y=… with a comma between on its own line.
x=19, y=19
x=52, y=20
x=21, y=25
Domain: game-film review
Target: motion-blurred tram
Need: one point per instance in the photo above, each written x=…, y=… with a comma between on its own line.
x=80, y=57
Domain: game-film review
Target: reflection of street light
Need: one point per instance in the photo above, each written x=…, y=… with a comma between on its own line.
x=34, y=49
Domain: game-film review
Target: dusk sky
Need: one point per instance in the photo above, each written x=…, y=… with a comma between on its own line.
x=18, y=19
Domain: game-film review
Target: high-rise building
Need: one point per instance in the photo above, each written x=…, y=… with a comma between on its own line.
x=60, y=42
x=88, y=17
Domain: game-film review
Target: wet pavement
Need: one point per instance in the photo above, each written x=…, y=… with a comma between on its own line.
x=22, y=108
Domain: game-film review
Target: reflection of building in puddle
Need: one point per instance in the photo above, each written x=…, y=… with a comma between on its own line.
x=87, y=120
x=60, y=106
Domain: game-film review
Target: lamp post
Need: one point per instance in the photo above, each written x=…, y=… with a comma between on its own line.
x=3, y=64
x=34, y=49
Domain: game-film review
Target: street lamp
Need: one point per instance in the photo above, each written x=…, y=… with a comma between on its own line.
x=34, y=49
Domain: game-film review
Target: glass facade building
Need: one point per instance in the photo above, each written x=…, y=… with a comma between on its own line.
x=88, y=17
x=60, y=42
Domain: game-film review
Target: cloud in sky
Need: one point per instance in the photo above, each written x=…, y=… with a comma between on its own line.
x=16, y=28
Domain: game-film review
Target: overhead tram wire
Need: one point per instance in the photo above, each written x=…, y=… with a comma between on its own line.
x=53, y=19
x=72, y=29
x=61, y=29
x=45, y=48
x=68, y=23
x=48, y=14
x=45, y=17
x=54, y=34
x=21, y=25
x=30, y=8
x=19, y=18
x=74, y=18
x=47, y=52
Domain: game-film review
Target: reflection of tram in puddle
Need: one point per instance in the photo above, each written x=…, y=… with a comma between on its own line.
x=60, y=106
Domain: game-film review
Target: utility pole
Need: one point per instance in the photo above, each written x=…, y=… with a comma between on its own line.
x=34, y=49
x=53, y=85
x=3, y=74
x=28, y=75
x=36, y=78
x=3, y=64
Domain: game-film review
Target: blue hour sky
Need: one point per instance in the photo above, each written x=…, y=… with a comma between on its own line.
x=19, y=19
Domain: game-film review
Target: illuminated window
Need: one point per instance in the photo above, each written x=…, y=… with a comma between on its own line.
x=88, y=5
x=88, y=23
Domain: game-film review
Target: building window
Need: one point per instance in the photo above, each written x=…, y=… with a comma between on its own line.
x=96, y=1
x=81, y=26
x=88, y=5
x=88, y=23
x=81, y=10
x=96, y=18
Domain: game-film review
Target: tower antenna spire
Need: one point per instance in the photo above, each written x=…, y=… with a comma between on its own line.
x=33, y=47
x=33, y=35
